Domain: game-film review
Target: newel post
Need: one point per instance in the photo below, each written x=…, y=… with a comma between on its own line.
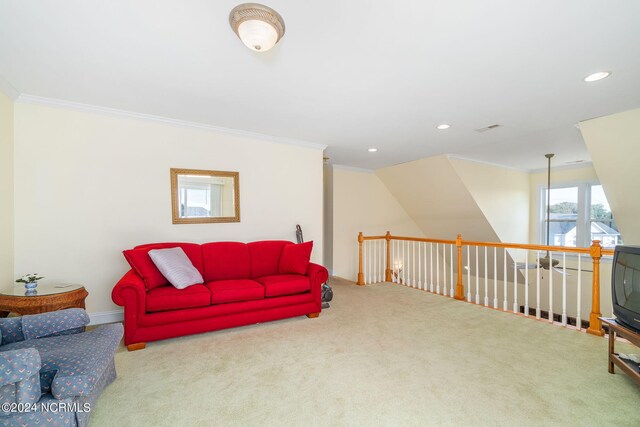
x=459, y=286
x=360, y=274
x=595, y=325
x=387, y=272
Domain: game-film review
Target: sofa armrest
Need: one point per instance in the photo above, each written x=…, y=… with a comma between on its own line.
x=130, y=292
x=61, y=322
x=19, y=377
x=317, y=273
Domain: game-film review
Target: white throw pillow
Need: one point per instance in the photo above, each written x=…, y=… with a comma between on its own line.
x=174, y=264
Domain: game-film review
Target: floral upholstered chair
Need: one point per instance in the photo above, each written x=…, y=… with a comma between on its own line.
x=51, y=371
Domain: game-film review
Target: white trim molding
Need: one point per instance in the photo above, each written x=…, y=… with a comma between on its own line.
x=8, y=89
x=77, y=106
x=106, y=317
x=352, y=168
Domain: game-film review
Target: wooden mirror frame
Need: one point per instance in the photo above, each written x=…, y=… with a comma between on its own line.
x=175, y=211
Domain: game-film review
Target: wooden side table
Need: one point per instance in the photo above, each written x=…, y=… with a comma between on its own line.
x=47, y=298
x=628, y=367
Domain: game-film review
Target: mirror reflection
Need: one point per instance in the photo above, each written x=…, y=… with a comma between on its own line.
x=204, y=196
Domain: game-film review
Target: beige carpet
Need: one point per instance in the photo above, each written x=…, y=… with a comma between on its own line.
x=381, y=355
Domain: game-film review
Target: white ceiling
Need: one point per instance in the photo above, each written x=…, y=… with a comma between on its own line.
x=351, y=74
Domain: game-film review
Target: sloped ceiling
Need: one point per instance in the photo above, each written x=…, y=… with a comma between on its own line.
x=437, y=199
x=613, y=143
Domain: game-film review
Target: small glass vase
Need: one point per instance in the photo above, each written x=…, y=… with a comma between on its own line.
x=31, y=285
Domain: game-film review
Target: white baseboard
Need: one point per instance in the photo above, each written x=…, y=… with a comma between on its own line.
x=106, y=317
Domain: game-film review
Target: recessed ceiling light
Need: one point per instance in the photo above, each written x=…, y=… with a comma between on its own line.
x=373, y=150
x=597, y=76
x=443, y=126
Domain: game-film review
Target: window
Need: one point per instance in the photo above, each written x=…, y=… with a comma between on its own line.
x=578, y=214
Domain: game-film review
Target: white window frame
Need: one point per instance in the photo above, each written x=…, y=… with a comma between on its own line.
x=583, y=221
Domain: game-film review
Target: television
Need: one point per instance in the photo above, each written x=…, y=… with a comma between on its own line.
x=625, y=286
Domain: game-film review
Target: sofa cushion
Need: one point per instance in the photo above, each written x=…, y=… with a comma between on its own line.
x=225, y=261
x=295, y=258
x=141, y=263
x=170, y=298
x=176, y=267
x=265, y=257
x=285, y=284
x=223, y=291
x=192, y=250
x=139, y=260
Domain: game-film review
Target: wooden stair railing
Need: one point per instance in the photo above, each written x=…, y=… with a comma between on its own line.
x=393, y=273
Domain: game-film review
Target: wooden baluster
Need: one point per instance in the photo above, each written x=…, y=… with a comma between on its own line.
x=444, y=269
x=431, y=265
x=495, y=277
x=376, y=261
x=578, y=319
x=469, y=279
x=515, y=285
x=595, y=325
x=415, y=270
x=505, y=303
x=564, y=289
x=387, y=271
x=486, y=279
x=459, y=286
x=451, y=292
x=424, y=263
x=550, y=287
x=526, y=283
x=477, y=279
x=419, y=266
x=437, y=268
x=360, y=270
x=538, y=285
x=404, y=265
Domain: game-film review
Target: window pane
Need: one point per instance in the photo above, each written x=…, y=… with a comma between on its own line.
x=563, y=203
x=562, y=233
x=603, y=227
x=563, y=211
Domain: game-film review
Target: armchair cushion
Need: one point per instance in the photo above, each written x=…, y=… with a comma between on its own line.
x=18, y=365
x=61, y=322
x=11, y=328
x=19, y=379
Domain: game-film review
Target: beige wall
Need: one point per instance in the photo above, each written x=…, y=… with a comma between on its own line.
x=361, y=202
x=88, y=186
x=614, y=146
x=6, y=190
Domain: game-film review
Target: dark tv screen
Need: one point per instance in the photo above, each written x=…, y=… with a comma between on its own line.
x=627, y=281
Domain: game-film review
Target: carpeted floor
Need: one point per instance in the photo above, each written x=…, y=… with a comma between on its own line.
x=381, y=355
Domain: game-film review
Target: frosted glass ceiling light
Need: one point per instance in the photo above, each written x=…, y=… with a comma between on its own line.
x=597, y=76
x=258, y=26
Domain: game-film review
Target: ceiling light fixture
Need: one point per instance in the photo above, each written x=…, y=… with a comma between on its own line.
x=443, y=126
x=258, y=26
x=372, y=150
x=597, y=76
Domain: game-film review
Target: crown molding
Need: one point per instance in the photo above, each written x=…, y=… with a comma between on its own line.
x=581, y=165
x=8, y=88
x=352, y=168
x=77, y=106
x=483, y=162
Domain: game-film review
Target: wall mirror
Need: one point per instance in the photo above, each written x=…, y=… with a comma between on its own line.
x=202, y=196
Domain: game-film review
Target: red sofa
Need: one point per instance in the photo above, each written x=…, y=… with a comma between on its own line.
x=243, y=285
